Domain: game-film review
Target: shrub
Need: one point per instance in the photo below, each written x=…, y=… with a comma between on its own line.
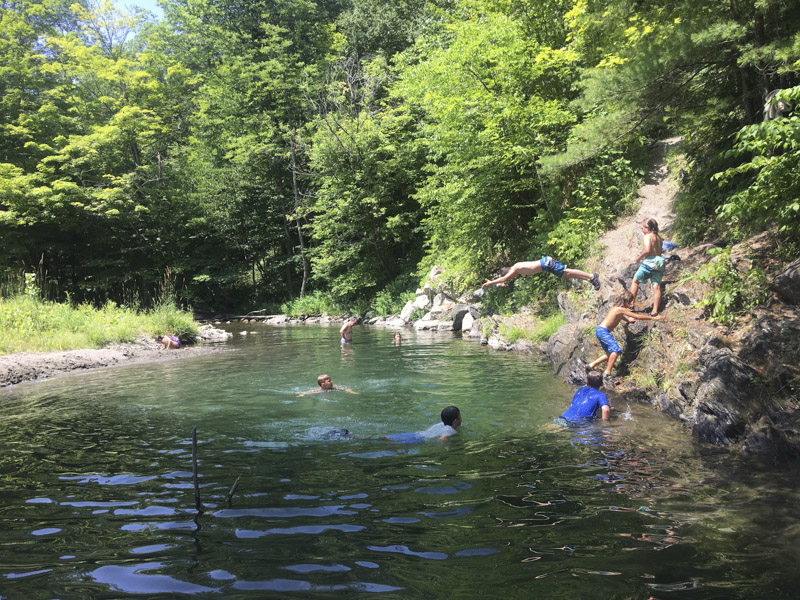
x=732, y=292
x=549, y=326
x=316, y=303
x=31, y=325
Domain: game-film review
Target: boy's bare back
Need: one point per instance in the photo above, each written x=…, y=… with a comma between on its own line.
x=614, y=316
x=652, y=244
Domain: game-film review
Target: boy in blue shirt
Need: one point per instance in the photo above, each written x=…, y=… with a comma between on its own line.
x=588, y=399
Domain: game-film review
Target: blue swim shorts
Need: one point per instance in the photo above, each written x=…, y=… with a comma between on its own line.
x=607, y=340
x=406, y=438
x=652, y=268
x=551, y=265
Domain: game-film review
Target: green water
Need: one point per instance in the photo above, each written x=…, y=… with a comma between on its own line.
x=97, y=496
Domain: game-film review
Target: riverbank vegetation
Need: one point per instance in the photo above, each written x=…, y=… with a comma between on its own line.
x=29, y=324
x=324, y=154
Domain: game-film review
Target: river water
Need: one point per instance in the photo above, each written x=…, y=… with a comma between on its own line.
x=98, y=502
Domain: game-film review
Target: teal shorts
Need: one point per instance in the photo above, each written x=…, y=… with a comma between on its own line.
x=652, y=268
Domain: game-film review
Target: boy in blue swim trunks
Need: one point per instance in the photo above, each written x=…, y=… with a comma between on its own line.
x=619, y=312
x=546, y=264
x=588, y=399
x=652, y=267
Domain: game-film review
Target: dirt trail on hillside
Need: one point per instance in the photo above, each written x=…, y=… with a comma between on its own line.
x=622, y=244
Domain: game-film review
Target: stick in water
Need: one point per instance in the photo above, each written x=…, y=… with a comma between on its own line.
x=233, y=489
x=194, y=469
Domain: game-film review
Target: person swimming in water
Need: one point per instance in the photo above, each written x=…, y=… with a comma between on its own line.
x=451, y=420
x=326, y=385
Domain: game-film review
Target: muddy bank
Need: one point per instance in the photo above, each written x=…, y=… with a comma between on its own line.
x=19, y=368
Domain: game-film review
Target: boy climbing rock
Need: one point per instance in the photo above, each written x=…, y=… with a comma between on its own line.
x=619, y=312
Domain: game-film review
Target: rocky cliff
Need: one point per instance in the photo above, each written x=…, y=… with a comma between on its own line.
x=733, y=386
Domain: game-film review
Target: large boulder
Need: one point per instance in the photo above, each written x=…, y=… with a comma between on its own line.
x=787, y=283
x=570, y=349
x=209, y=333
x=459, y=311
x=407, y=311
x=422, y=301
x=441, y=307
x=395, y=322
x=471, y=327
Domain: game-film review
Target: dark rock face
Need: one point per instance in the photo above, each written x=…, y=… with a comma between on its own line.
x=736, y=388
x=732, y=387
x=727, y=398
x=787, y=283
x=567, y=350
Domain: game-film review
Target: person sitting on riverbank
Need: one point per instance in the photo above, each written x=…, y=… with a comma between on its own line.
x=588, y=399
x=546, y=264
x=170, y=342
x=326, y=385
x=652, y=267
x=451, y=420
x=346, y=330
x=619, y=312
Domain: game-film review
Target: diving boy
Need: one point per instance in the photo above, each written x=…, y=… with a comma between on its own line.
x=546, y=264
x=619, y=312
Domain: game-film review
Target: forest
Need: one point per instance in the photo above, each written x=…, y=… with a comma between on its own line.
x=264, y=153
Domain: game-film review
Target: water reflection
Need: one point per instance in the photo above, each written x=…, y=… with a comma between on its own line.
x=97, y=478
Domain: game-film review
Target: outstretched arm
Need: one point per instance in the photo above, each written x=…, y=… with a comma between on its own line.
x=631, y=316
x=512, y=272
x=643, y=317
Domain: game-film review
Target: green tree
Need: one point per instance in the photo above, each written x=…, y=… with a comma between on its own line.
x=494, y=86
x=364, y=217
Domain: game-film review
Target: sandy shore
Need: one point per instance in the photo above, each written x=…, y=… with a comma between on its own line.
x=18, y=368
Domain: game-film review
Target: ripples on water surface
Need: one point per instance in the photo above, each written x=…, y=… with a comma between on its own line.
x=98, y=502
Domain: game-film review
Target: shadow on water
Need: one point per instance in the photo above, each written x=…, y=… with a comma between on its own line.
x=98, y=502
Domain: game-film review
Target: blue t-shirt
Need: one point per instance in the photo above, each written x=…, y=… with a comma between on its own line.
x=585, y=403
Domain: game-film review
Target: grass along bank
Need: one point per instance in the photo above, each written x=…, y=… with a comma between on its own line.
x=28, y=324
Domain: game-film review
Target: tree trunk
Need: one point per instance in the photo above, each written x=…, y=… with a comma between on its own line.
x=296, y=191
